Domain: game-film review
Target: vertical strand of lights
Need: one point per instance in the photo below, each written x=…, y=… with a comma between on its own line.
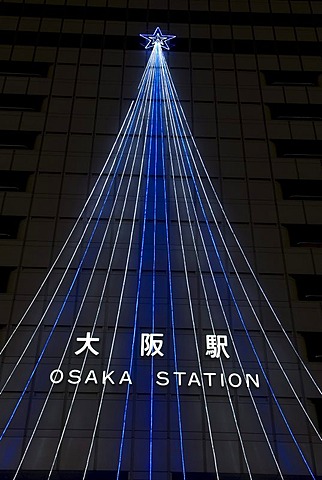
x=169, y=274
x=183, y=120
x=42, y=352
x=300, y=451
x=106, y=279
x=116, y=199
x=122, y=138
x=254, y=311
x=59, y=313
x=155, y=113
x=137, y=197
x=138, y=291
x=183, y=175
x=154, y=132
x=53, y=296
x=170, y=135
x=197, y=222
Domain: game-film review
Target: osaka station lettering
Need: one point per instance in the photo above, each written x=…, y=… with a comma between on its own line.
x=162, y=378
x=210, y=379
x=75, y=376
x=151, y=345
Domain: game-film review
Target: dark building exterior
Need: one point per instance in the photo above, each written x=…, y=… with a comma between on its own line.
x=248, y=76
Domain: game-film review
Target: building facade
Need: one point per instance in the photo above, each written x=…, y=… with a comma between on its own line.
x=77, y=88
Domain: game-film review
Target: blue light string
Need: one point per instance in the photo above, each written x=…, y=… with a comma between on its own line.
x=178, y=154
x=230, y=289
x=173, y=136
x=53, y=327
x=178, y=106
x=156, y=66
x=174, y=342
x=83, y=210
x=138, y=289
x=136, y=212
x=115, y=242
x=137, y=103
x=51, y=388
x=70, y=289
x=213, y=328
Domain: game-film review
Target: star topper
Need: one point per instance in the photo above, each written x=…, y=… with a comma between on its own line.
x=157, y=37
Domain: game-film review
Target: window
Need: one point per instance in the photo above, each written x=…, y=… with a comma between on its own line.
x=193, y=476
x=31, y=103
x=317, y=402
x=30, y=69
x=309, y=287
x=295, y=111
x=278, y=77
x=298, y=148
x=305, y=235
x=313, y=343
x=9, y=226
x=4, y=277
x=17, y=139
x=301, y=189
x=13, y=181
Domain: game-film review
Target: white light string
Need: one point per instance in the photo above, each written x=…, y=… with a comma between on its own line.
x=130, y=115
x=250, y=303
x=259, y=362
x=70, y=235
x=70, y=408
x=153, y=269
x=126, y=271
x=179, y=106
x=175, y=110
x=195, y=214
x=190, y=299
x=174, y=342
x=179, y=157
x=65, y=273
x=78, y=315
x=122, y=291
x=124, y=137
x=135, y=321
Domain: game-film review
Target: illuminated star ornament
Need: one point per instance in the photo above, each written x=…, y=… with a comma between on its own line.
x=157, y=37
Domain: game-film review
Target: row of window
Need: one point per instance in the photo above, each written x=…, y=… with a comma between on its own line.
x=27, y=69
x=110, y=475
x=12, y=139
x=279, y=111
x=13, y=181
x=309, y=287
x=9, y=226
x=64, y=475
x=301, y=189
x=298, y=148
x=272, y=77
x=29, y=103
x=291, y=77
x=17, y=139
x=309, y=236
x=294, y=111
x=160, y=15
x=196, y=45
x=16, y=181
x=237, y=476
